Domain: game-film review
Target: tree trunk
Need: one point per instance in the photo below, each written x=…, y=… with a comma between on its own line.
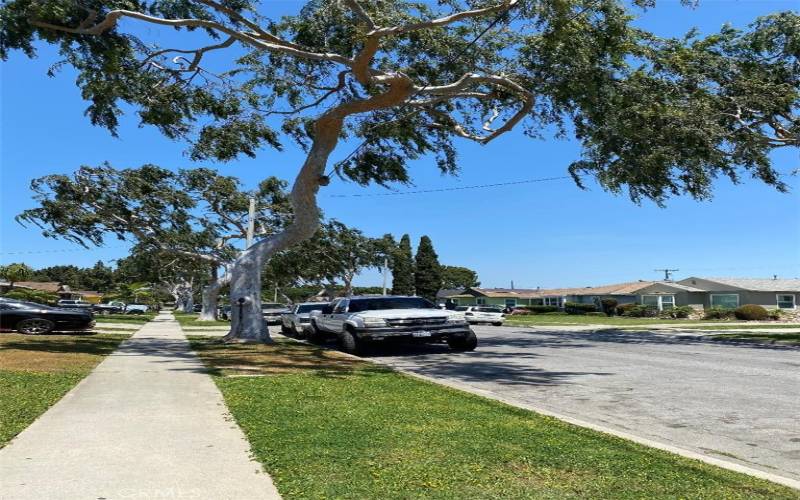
x=247, y=322
x=211, y=296
x=348, y=284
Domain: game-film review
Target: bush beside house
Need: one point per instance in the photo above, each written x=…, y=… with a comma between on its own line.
x=751, y=312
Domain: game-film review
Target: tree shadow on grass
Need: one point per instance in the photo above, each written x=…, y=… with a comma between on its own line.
x=84, y=343
x=281, y=357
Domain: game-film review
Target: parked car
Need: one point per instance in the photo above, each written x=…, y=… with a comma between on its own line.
x=272, y=312
x=357, y=321
x=197, y=308
x=482, y=314
x=224, y=312
x=136, y=308
x=37, y=319
x=74, y=304
x=299, y=318
x=113, y=307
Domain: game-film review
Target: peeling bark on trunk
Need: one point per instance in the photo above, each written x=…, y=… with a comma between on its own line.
x=348, y=284
x=211, y=296
x=247, y=321
x=182, y=292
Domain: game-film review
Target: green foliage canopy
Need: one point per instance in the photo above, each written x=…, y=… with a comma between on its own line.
x=656, y=117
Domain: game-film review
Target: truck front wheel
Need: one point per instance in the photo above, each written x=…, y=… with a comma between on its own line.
x=467, y=343
x=349, y=343
x=313, y=334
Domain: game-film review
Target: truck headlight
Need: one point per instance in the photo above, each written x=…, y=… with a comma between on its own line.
x=374, y=322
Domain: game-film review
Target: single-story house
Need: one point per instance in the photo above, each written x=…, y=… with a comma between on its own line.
x=54, y=287
x=772, y=293
x=512, y=297
x=699, y=293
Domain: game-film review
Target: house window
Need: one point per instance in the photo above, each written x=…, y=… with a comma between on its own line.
x=786, y=301
x=660, y=302
x=552, y=301
x=480, y=301
x=511, y=302
x=537, y=302
x=725, y=300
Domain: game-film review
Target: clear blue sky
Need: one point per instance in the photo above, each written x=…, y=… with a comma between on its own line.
x=543, y=234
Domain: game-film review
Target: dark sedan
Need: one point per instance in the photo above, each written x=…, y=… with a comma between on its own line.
x=37, y=319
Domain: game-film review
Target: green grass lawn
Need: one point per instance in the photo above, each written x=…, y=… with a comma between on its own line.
x=767, y=338
x=124, y=318
x=740, y=326
x=36, y=371
x=190, y=319
x=326, y=426
x=621, y=321
x=576, y=319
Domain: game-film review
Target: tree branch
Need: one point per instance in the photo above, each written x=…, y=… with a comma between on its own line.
x=360, y=13
x=446, y=20
x=270, y=42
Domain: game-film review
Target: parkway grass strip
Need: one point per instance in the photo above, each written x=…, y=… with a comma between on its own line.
x=327, y=426
x=38, y=370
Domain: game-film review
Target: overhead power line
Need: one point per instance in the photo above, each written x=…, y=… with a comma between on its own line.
x=61, y=250
x=454, y=188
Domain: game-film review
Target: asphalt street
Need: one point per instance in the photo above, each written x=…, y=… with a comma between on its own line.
x=738, y=402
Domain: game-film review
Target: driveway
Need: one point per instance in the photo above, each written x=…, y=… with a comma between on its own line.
x=729, y=401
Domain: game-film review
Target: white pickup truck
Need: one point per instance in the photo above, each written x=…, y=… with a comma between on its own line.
x=357, y=321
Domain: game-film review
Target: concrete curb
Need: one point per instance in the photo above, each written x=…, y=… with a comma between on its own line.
x=453, y=384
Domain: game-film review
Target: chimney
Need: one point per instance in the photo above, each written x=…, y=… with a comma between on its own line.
x=512, y=284
x=774, y=276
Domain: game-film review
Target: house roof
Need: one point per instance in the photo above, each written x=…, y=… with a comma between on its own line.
x=626, y=288
x=45, y=286
x=758, y=284
x=450, y=292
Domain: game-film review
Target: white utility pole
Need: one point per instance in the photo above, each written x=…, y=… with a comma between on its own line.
x=385, y=271
x=251, y=223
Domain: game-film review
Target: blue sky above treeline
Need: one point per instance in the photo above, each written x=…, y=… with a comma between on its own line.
x=538, y=234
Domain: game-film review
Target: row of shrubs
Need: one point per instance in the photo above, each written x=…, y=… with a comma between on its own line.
x=747, y=312
x=37, y=296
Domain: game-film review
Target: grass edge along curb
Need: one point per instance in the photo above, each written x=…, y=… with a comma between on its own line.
x=460, y=386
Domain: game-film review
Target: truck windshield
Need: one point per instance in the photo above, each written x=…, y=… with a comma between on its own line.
x=358, y=305
x=309, y=307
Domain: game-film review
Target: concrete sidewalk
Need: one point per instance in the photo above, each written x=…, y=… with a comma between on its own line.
x=148, y=422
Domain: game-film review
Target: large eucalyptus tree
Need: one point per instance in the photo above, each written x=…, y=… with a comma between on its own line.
x=194, y=214
x=655, y=117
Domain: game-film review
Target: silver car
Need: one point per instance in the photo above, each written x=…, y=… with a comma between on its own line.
x=272, y=312
x=299, y=317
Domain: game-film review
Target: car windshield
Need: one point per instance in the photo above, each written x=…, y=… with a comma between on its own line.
x=462, y=308
x=358, y=305
x=489, y=310
x=304, y=308
x=272, y=305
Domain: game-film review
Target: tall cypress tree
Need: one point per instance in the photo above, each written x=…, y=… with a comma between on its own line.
x=403, y=268
x=428, y=272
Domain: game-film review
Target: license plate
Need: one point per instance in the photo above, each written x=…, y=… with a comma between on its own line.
x=421, y=334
